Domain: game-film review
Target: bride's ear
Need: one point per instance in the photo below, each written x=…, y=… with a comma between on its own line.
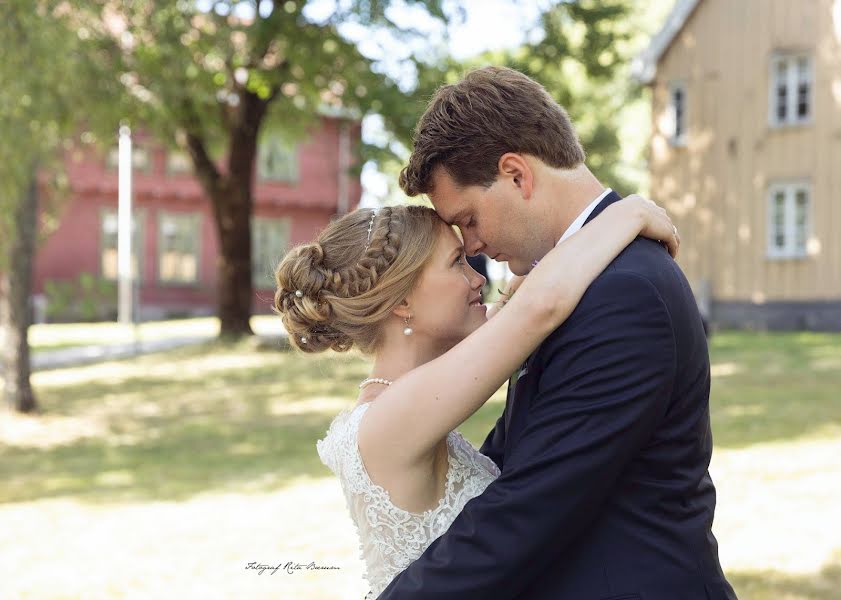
x=515, y=168
x=402, y=310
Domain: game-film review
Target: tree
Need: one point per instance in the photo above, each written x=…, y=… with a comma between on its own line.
x=15, y=287
x=208, y=76
x=38, y=98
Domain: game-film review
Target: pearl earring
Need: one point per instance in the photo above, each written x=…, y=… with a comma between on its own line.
x=408, y=330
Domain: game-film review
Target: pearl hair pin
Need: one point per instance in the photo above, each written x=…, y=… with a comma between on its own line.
x=371, y=226
x=299, y=294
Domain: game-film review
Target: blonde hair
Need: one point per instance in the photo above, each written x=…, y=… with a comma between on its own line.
x=347, y=290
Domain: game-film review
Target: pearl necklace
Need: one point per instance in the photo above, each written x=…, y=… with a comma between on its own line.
x=371, y=380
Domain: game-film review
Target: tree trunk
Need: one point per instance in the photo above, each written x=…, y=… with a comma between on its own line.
x=232, y=206
x=232, y=201
x=15, y=313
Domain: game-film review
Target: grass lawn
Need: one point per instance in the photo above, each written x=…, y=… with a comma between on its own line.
x=163, y=476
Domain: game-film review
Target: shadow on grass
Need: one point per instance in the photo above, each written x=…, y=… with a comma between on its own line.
x=772, y=585
x=774, y=387
x=168, y=426
x=190, y=456
x=230, y=417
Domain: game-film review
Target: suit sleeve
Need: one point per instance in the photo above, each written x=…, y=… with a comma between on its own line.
x=606, y=378
x=494, y=445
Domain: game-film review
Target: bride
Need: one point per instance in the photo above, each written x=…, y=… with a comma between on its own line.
x=394, y=283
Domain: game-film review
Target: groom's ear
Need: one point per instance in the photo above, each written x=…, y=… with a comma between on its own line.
x=514, y=168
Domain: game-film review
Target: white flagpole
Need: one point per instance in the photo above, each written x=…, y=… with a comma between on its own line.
x=124, y=245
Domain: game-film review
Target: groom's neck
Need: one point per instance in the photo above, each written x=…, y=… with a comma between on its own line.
x=572, y=191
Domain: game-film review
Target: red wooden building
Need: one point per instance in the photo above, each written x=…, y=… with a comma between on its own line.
x=298, y=188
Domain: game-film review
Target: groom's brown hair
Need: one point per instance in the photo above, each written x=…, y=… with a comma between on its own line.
x=469, y=125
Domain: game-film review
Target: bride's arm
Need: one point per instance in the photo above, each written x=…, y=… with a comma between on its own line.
x=422, y=406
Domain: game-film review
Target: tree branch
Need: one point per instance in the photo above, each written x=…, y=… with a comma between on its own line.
x=206, y=169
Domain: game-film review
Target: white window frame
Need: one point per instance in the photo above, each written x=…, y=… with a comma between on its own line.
x=792, y=80
x=790, y=249
x=677, y=138
x=263, y=262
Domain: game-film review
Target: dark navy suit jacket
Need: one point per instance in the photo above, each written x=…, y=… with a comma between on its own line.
x=604, y=446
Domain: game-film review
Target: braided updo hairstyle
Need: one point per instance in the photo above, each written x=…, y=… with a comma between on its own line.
x=348, y=291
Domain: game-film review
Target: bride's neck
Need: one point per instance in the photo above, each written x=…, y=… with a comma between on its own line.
x=401, y=356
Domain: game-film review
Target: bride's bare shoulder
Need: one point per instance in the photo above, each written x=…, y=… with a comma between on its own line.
x=381, y=443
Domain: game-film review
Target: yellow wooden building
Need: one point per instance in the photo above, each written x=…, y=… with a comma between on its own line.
x=746, y=155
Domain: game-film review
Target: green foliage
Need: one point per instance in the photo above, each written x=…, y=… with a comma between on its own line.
x=85, y=299
x=47, y=89
x=184, y=70
x=580, y=54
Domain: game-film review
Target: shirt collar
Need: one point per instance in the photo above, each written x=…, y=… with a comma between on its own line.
x=579, y=221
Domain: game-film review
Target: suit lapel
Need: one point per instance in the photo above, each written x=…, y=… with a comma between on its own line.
x=512, y=392
x=520, y=380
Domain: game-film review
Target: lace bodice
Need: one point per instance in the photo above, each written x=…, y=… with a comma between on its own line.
x=390, y=537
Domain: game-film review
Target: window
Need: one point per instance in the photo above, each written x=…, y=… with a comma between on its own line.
x=677, y=114
x=277, y=159
x=178, y=247
x=178, y=162
x=269, y=241
x=789, y=220
x=675, y=123
x=792, y=80
x=108, y=243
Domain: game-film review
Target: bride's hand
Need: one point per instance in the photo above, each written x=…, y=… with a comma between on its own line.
x=656, y=223
x=512, y=286
x=505, y=296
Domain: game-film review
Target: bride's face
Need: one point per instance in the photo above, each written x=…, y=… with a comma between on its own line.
x=446, y=304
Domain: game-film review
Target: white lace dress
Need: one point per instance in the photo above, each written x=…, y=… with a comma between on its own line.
x=390, y=537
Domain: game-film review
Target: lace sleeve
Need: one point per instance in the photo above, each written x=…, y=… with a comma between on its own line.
x=327, y=453
x=329, y=448
x=333, y=449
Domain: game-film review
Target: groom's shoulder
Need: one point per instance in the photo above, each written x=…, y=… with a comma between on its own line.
x=642, y=255
x=624, y=294
x=644, y=273
x=618, y=301
x=649, y=260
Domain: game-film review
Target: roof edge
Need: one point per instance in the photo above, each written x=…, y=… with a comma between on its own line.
x=644, y=66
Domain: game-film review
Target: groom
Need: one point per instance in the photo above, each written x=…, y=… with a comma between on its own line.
x=605, y=439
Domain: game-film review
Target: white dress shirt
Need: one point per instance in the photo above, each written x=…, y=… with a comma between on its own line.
x=580, y=219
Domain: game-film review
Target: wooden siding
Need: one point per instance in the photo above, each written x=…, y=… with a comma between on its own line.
x=717, y=185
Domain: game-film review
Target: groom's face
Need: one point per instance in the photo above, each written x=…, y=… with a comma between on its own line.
x=492, y=220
